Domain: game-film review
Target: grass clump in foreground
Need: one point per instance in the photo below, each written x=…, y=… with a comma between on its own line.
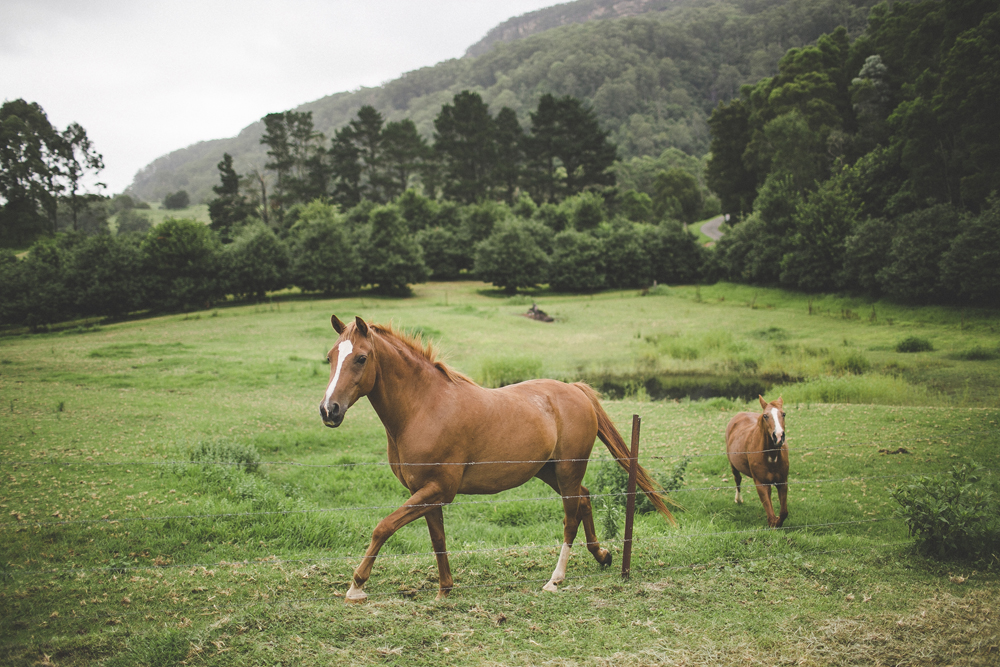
x=125, y=544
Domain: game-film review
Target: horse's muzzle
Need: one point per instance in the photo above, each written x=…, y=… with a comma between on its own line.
x=332, y=415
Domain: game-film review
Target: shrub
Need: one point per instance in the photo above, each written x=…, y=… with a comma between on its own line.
x=611, y=488
x=914, y=344
x=950, y=515
x=176, y=200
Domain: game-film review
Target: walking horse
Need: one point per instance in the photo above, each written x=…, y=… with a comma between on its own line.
x=755, y=445
x=447, y=435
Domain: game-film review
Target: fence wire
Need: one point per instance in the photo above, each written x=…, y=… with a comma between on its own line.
x=326, y=510
x=598, y=459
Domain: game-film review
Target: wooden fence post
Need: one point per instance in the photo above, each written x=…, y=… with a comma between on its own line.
x=633, y=470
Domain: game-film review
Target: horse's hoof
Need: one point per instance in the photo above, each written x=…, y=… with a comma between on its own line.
x=550, y=587
x=355, y=595
x=608, y=558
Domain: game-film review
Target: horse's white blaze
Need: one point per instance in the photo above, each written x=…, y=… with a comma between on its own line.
x=343, y=351
x=777, y=424
x=559, y=574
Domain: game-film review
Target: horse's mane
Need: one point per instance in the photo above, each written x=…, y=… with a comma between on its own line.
x=415, y=344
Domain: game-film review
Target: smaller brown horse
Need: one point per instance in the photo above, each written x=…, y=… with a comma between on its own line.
x=755, y=445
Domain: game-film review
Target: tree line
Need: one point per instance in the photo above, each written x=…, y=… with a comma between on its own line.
x=583, y=243
x=873, y=166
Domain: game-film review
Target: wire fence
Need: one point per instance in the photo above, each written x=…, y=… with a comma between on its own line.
x=596, y=459
x=645, y=568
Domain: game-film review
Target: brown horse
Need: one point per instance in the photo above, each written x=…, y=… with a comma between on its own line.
x=755, y=444
x=447, y=435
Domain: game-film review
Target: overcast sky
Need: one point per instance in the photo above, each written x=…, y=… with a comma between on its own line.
x=145, y=77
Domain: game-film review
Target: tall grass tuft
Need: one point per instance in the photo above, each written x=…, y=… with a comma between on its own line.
x=866, y=389
x=502, y=371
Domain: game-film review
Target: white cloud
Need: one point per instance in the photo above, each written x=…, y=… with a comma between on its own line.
x=145, y=78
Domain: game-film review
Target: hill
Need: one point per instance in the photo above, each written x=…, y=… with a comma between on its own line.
x=652, y=78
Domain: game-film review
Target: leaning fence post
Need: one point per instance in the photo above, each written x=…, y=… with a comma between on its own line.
x=633, y=470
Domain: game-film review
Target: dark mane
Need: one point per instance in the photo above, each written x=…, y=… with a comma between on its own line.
x=415, y=344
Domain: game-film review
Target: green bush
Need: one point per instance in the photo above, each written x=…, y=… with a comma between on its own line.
x=914, y=344
x=226, y=452
x=611, y=488
x=953, y=515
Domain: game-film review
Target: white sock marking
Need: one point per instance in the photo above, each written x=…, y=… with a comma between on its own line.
x=343, y=351
x=560, y=572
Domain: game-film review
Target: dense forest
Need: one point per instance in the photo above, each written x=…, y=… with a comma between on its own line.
x=652, y=79
x=868, y=166
x=871, y=166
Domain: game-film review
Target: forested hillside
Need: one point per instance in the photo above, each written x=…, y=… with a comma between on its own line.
x=652, y=80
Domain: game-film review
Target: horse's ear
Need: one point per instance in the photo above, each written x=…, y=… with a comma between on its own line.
x=779, y=402
x=763, y=403
x=362, y=327
x=338, y=326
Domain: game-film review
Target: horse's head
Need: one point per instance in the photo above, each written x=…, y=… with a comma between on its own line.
x=772, y=422
x=352, y=370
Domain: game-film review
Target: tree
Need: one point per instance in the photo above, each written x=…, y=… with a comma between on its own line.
x=444, y=253
x=230, y=208
x=77, y=157
x=296, y=157
x=105, y=276
x=510, y=257
x=323, y=257
x=577, y=263
x=510, y=153
x=726, y=174
x=176, y=200
x=403, y=153
x=391, y=257
x=181, y=258
x=922, y=238
x=567, y=149
x=627, y=260
x=256, y=262
x=29, y=176
x=682, y=188
x=465, y=143
x=970, y=268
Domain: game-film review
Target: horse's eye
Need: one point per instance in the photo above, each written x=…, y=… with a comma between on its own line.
x=782, y=415
x=361, y=359
x=767, y=416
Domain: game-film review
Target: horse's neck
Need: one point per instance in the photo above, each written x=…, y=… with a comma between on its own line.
x=404, y=383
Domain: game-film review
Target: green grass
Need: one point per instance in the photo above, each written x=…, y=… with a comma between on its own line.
x=157, y=214
x=255, y=514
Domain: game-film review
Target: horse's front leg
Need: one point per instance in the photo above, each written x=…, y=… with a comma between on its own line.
x=764, y=491
x=435, y=524
x=783, y=499
x=425, y=500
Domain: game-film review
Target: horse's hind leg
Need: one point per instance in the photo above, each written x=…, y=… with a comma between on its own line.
x=435, y=524
x=586, y=516
x=571, y=493
x=739, y=480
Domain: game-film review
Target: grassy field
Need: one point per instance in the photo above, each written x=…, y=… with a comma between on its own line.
x=170, y=495
x=157, y=214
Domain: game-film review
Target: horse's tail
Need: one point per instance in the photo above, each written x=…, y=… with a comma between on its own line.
x=610, y=436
